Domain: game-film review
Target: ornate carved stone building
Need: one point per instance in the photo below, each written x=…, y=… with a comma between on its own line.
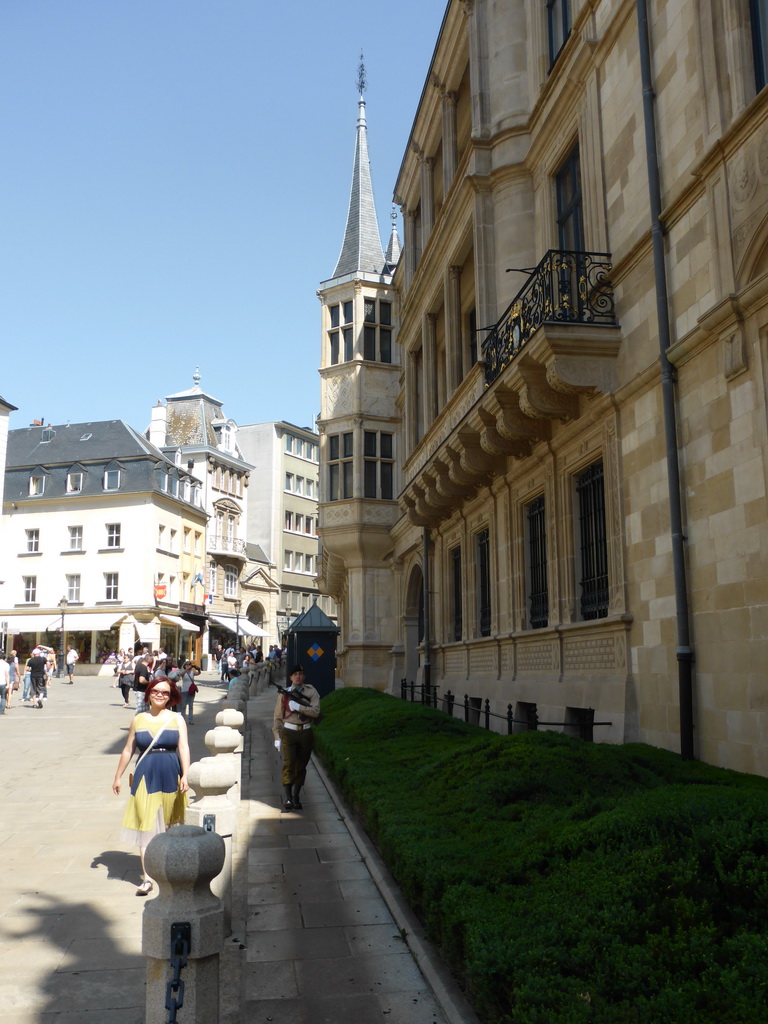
x=579, y=414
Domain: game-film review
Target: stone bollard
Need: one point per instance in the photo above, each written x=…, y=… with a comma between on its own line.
x=235, y=720
x=212, y=778
x=225, y=742
x=183, y=861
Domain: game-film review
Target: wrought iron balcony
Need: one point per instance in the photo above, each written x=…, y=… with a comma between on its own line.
x=565, y=288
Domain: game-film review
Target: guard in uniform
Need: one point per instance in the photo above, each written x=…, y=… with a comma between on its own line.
x=296, y=712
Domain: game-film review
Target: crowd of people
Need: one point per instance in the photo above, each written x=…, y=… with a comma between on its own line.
x=33, y=678
x=162, y=685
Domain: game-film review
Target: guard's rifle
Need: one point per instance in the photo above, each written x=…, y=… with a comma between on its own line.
x=300, y=698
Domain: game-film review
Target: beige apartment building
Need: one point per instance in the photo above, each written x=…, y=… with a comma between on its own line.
x=577, y=524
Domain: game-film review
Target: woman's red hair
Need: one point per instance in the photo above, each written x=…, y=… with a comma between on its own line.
x=175, y=698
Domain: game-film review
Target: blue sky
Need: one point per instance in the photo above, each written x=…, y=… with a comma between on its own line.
x=174, y=184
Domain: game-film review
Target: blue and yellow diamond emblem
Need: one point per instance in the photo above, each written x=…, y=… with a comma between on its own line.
x=315, y=652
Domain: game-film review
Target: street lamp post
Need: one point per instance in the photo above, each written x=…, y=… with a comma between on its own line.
x=238, y=603
x=62, y=608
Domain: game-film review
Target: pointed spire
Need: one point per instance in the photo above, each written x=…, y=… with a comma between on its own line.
x=394, y=248
x=361, y=249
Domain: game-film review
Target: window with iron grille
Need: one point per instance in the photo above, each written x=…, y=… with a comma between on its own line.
x=538, y=587
x=483, y=564
x=456, y=593
x=593, y=546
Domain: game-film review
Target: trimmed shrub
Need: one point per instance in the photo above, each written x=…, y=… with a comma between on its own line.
x=564, y=881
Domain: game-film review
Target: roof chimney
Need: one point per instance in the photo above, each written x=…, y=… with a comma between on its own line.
x=158, y=426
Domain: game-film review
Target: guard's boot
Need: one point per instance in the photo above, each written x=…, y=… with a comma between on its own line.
x=287, y=799
x=297, y=805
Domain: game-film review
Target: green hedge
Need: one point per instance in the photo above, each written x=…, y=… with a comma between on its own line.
x=564, y=881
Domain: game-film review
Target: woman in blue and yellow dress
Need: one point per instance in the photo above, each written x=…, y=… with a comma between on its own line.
x=159, y=785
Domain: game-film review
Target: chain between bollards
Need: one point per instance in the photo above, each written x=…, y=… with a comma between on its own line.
x=180, y=943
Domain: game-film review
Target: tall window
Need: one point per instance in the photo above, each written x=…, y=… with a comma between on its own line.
x=289, y=481
x=758, y=13
x=75, y=538
x=73, y=588
x=36, y=484
x=377, y=464
x=230, y=581
x=33, y=540
x=187, y=535
x=30, y=589
x=113, y=535
x=483, y=570
x=570, y=215
x=377, y=330
x=340, y=451
x=287, y=559
x=213, y=579
x=538, y=587
x=288, y=521
x=593, y=547
x=288, y=442
x=558, y=25
x=111, y=591
x=456, y=593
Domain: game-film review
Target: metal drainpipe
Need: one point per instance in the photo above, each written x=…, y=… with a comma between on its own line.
x=684, y=649
x=425, y=582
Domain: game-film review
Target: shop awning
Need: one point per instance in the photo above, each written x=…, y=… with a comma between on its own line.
x=32, y=623
x=247, y=628
x=99, y=620
x=175, y=620
x=51, y=623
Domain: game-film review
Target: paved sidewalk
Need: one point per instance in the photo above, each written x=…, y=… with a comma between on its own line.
x=70, y=924
x=322, y=944
x=327, y=938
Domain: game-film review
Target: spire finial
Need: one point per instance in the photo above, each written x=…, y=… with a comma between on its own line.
x=196, y=377
x=362, y=81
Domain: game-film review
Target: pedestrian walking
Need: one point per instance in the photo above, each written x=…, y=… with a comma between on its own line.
x=5, y=681
x=71, y=659
x=37, y=668
x=159, y=781
x=188, y=688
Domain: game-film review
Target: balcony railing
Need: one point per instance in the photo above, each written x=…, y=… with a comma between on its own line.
x=228, y=545
x=565, y=288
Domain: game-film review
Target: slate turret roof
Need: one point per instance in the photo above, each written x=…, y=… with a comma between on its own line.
x=361, y=249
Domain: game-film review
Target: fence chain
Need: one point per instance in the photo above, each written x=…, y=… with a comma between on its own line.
x=174, y=993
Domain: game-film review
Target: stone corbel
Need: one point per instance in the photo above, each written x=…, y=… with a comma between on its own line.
x=537, y=399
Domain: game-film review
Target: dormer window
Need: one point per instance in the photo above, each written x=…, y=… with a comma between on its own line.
x=36, y=484
x=177, y=457
x=112, y=480
x=75, y=481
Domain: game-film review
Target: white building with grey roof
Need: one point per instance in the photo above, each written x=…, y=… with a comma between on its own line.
x=100, y=529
